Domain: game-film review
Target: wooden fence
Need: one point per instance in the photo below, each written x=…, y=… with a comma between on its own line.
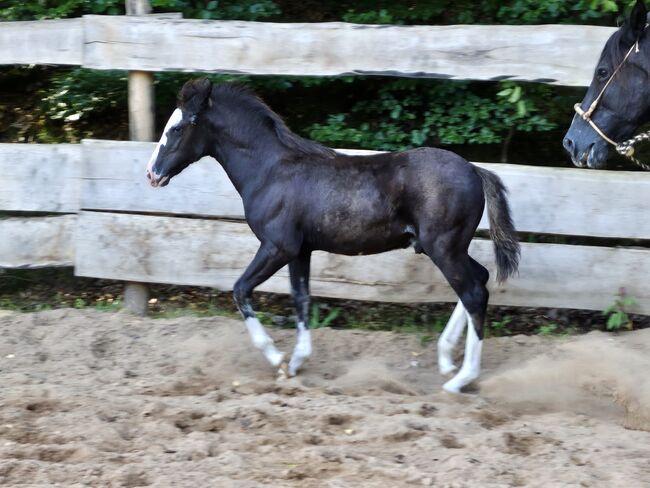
x=560, y=54
x=109, y=223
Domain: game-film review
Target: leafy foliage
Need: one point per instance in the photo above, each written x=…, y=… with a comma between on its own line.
x=556, y=11
x=220, y=9
x=483, y=12
x=498, y=328
x=315, y=321
x=78, y=95
x=45, y=9
x=617, y=312
x=213, y=9
x=408, y=113
x=547, y=329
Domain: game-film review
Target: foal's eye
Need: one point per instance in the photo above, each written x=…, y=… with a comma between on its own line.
x=177, y=128
x=602, y=73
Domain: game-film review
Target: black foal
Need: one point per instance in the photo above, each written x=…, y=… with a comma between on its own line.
x=300, y=196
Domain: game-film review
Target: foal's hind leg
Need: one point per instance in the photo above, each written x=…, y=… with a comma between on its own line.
x=467, y=278
x=266, y=262
x=449, y=338
x=299, y=275
x=454, y=328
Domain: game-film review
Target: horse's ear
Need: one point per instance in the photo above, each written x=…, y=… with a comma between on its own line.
x=195, y=95
x=636, y=23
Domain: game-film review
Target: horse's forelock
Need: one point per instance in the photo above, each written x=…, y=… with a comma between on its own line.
x=194, y=95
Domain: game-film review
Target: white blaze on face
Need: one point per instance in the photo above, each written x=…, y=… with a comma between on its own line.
x=176, y=117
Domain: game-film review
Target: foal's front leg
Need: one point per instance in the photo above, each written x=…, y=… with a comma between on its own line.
x=266, y=262
x=299, y=275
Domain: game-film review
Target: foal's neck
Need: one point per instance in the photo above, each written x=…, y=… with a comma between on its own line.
x=251, y=139
x=248, y=160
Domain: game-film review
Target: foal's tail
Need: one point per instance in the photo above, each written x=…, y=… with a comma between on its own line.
x=502, y=229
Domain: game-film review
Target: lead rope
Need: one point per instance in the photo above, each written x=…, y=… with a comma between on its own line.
x=626, y=148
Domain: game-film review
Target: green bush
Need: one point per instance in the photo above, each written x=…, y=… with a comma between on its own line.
x=407, y=113
x=214, y=9
x=44, y=9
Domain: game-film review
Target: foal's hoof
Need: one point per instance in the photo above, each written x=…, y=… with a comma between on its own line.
x=451, y=387
x=283, y=371
x=296, y=363
x=446, y=369
x=274, y=356
x=458, y=382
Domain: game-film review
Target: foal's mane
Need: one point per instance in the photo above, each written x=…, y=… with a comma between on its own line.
x=242, y=96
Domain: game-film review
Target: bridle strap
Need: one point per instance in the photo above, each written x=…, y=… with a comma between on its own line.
x=586, y=116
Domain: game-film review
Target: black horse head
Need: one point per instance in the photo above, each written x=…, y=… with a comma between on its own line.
x=618, y=99
x=222, y=121
x=183, y=141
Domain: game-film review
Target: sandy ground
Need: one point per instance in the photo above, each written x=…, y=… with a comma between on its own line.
x=95, y=399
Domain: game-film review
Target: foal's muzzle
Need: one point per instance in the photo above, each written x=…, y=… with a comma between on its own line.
x=157, y=180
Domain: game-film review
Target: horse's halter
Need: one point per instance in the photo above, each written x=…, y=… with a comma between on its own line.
x=625, y=148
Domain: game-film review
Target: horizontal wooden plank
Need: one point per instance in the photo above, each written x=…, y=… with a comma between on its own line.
x=37, y=242
x=215, y=253
x=165, y=42
x=114, y=179
x=42, y=42
x=567, y=201
x=561, y=54
x=574, y=201
x=40, y=177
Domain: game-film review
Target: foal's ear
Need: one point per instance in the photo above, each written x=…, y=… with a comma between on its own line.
x=195, y=95
x=636, y=23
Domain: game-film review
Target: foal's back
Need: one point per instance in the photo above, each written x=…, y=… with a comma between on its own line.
x=410, y=182
x=372, y=204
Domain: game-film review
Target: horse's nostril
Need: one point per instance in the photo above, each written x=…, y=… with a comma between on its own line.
x=570, y=147
x=568, y=144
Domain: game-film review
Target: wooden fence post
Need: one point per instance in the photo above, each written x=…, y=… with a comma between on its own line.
x=141, y=128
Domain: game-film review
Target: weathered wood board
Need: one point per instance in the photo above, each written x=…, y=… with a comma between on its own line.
x=40, y=177
x=42, y=42
x=572, y=201
x=544, y=200
x=37, y=242
x=114, y=179
x=215, y=253
x=560, y=54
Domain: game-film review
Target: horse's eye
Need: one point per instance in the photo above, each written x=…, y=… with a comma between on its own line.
x=177, y=128
x=602, y=73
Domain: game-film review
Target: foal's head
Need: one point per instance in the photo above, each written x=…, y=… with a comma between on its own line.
x=184, y=138
x=618, y=99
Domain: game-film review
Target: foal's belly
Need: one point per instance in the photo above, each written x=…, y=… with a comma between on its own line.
x=358, y=236
x=353, y=213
